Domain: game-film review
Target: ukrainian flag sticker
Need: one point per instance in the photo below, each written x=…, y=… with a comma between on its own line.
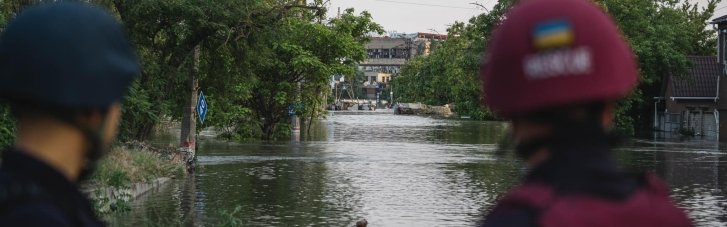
x=552, y=34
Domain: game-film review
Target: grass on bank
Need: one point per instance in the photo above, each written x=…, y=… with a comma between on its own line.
x=123, y=167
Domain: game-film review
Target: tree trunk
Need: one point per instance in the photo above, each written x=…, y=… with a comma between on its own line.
x=145, y=131
x=269, y=127
x=188, y=132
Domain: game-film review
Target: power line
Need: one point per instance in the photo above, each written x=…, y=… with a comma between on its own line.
x=424, y=4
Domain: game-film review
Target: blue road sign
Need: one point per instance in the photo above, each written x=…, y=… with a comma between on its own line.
x=201, y=107
x=294, y=108
x=291, y=110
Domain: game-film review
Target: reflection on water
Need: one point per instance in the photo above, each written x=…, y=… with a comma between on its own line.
x=695, y=171
x=393, y=171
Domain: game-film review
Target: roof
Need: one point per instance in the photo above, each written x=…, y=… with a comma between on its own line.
x=383, y=61
x=702, y=80
x=387, y=43
x=431, y=36
x=719, y=20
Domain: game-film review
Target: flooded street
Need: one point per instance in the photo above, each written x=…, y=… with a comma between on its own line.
x=392, y=170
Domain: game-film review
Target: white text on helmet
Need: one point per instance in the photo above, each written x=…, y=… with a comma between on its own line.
x=560, y=62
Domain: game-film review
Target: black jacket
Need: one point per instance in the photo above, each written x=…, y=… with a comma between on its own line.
x=34, y=194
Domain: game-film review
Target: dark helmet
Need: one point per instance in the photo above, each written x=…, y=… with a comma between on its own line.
x=550, y=53
x=68, y=55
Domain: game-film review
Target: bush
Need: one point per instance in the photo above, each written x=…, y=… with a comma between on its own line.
x=122, y=167
x=118, y=178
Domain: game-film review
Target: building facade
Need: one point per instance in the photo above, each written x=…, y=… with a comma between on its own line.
x=386, y=56
x=694, y=104
x=691, y=103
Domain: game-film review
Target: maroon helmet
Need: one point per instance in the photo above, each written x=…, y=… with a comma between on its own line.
x=550, y=53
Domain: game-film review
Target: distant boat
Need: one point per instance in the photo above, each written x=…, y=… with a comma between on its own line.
x=465, y=117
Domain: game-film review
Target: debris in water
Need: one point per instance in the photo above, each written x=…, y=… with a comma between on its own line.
x=362, y=223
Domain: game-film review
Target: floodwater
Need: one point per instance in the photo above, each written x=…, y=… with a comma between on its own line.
x=393, y=171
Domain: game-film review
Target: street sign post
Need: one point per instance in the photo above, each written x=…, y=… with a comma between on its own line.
x=201, y=107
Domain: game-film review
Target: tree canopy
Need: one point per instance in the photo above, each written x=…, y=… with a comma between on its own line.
x=256, y=58
x=661, y=32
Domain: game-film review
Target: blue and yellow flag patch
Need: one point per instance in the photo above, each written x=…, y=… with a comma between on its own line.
x=552, y=34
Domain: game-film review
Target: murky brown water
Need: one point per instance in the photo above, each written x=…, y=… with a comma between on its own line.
x=393, y=171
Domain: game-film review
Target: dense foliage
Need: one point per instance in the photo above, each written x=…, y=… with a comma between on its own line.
x=294, y=60
x=661, y=32
x=256, y=58
x=259, y=57
x=450, y=74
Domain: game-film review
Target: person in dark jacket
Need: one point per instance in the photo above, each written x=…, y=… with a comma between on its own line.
x=64, y=68
x=556, y=69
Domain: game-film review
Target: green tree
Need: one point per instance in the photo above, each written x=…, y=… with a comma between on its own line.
x=661, y=33
x=295, y=59
x=166, y=34
x=252, y=58
x=450, y=74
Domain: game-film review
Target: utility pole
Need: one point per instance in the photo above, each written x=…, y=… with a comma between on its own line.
x=188, y=134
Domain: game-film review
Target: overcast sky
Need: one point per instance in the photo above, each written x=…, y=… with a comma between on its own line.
x=427, y=15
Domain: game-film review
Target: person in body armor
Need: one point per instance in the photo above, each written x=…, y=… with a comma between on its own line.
x=64, y=68
x=556, y=69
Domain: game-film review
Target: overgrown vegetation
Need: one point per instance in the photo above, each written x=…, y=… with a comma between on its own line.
x=256, y=58
x=661, y=32
x=450, y=74
x=122, y=168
